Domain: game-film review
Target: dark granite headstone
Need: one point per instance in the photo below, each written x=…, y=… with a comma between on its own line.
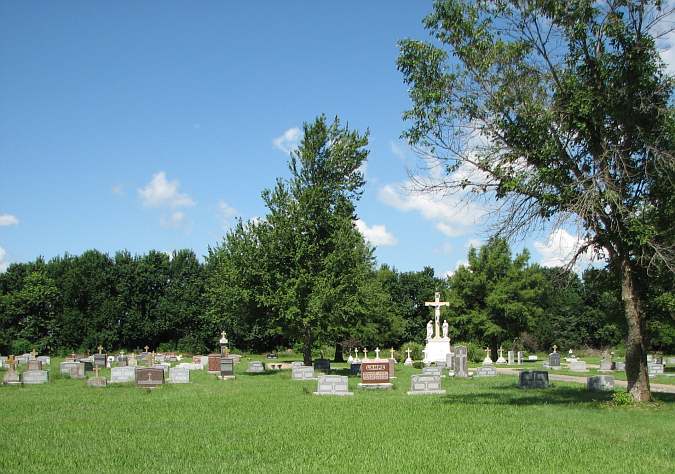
x=226, y=367
x=533, y=379
x=100, y=360
x=322, y=364
x=355, y=368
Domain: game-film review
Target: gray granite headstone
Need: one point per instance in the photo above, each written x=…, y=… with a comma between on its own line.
x=578, y=366
x=333, y=385
x=255, y=367
x=600, y=383
x=74, y=370
x=620, y=366
x=426, y=385
x=533, y=379
x=34, y=377
x=123, y=374
x=654, y=369
x=297, y=363
x=606, y=364
x=511, y=357
x=45, y=360
x=97, y=382
x=486, y=371
x=3, y=362
x=303, y=373
x=554, y=359
x=432, y=371
x=179, y=375
x=519, y=359
x=461, y=363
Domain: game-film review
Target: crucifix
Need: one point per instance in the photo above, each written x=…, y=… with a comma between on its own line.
x=555, y=348
x=356, y=353
x=365, y=354
x=501, y=351
x=436, y=304
x=408, y=351
x=100, y=349
x=487, y=352
x=377, y=353
x=33, y=353
x=391, y=351
x=146, y=348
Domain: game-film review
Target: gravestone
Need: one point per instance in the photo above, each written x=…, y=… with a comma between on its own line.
x=649, y=357
x=654, y=369
x=322, y=365
x=179, y=375
x=88, y=364
x=74, y=370
x=511, y=357
x=160, y=358
x=45, y=360
x=226, y=368
x=533, y=379
x=189, y=366
x=519, y=359
x=11, y=377
x=333, y=385
x=235, y=357
x=165, y=367
x=149, y=377
x=532, y=358
x=486, y=371
x=214, y=363
x=432, y=371
x=600, y=383
x=3, y=362
x=123, y=361
x=132, y=360
x=355, y=368
x=96, y=381
x=297, y=363
x=392, y=366
x=255, y=367
x=375, y=375
x=197, y=359
x=461, y=363
x=554, y=360
x=35, y=377
x=426, y=385
x=450, y=360
x=22, y=359
x=100, y=360
x=124, y=374
x=578, y=366
x=34, y=364
x=303, y=373
x=620, y=366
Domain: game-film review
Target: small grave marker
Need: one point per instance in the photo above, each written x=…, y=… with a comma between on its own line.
x=461, y=363
x=149, y=377
x=426, y=385
x=255, y=367
x=226, y=369
x=533, y=379
x=35, y=377
x=303, y=373
x=333, y=385
x=179, y=375
x=600, y=383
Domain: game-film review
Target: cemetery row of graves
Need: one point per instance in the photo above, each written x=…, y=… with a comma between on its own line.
x=153, y=369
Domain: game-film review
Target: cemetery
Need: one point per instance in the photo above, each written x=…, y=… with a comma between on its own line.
x=337, y=237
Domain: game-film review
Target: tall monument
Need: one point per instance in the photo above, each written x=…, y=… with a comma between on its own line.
x=438, y=346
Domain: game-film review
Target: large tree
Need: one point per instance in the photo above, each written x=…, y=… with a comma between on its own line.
x=560, y=110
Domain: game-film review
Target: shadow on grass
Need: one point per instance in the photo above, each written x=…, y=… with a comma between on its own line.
x=555, y=395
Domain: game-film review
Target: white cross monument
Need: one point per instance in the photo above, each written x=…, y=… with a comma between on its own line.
x=438, y=347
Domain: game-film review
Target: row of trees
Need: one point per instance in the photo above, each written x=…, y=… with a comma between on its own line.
x=177, y=302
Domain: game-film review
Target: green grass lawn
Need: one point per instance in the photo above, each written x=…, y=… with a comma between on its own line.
x=270, y=423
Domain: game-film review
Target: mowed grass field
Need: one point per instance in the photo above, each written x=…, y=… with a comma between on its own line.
x=270, y=423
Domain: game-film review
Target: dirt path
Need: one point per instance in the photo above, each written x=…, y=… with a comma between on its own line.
x=655, y=387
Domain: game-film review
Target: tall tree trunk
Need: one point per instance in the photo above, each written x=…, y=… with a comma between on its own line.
x=307, y=347
x=339, y=357
x=636, y=354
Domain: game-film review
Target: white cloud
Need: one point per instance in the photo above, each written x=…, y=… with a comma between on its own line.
x=666, y=43
x=173, y=221
x=8, y=219
x=475, y=243
x=459, y=263
x=376, y=234
x=3, y=263
x=398, y=151
x=451, y=215
x=227, y=213
x=160, y=192
x=288, y=140
x=559, y=249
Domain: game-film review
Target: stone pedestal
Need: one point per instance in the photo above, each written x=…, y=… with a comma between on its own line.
x=436, y=350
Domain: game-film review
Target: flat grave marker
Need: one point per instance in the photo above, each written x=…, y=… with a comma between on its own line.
x=149, y=377
x=333, y=385
x=426, y=385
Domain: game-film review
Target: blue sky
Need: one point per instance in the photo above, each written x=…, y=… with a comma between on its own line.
x=148, y=125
